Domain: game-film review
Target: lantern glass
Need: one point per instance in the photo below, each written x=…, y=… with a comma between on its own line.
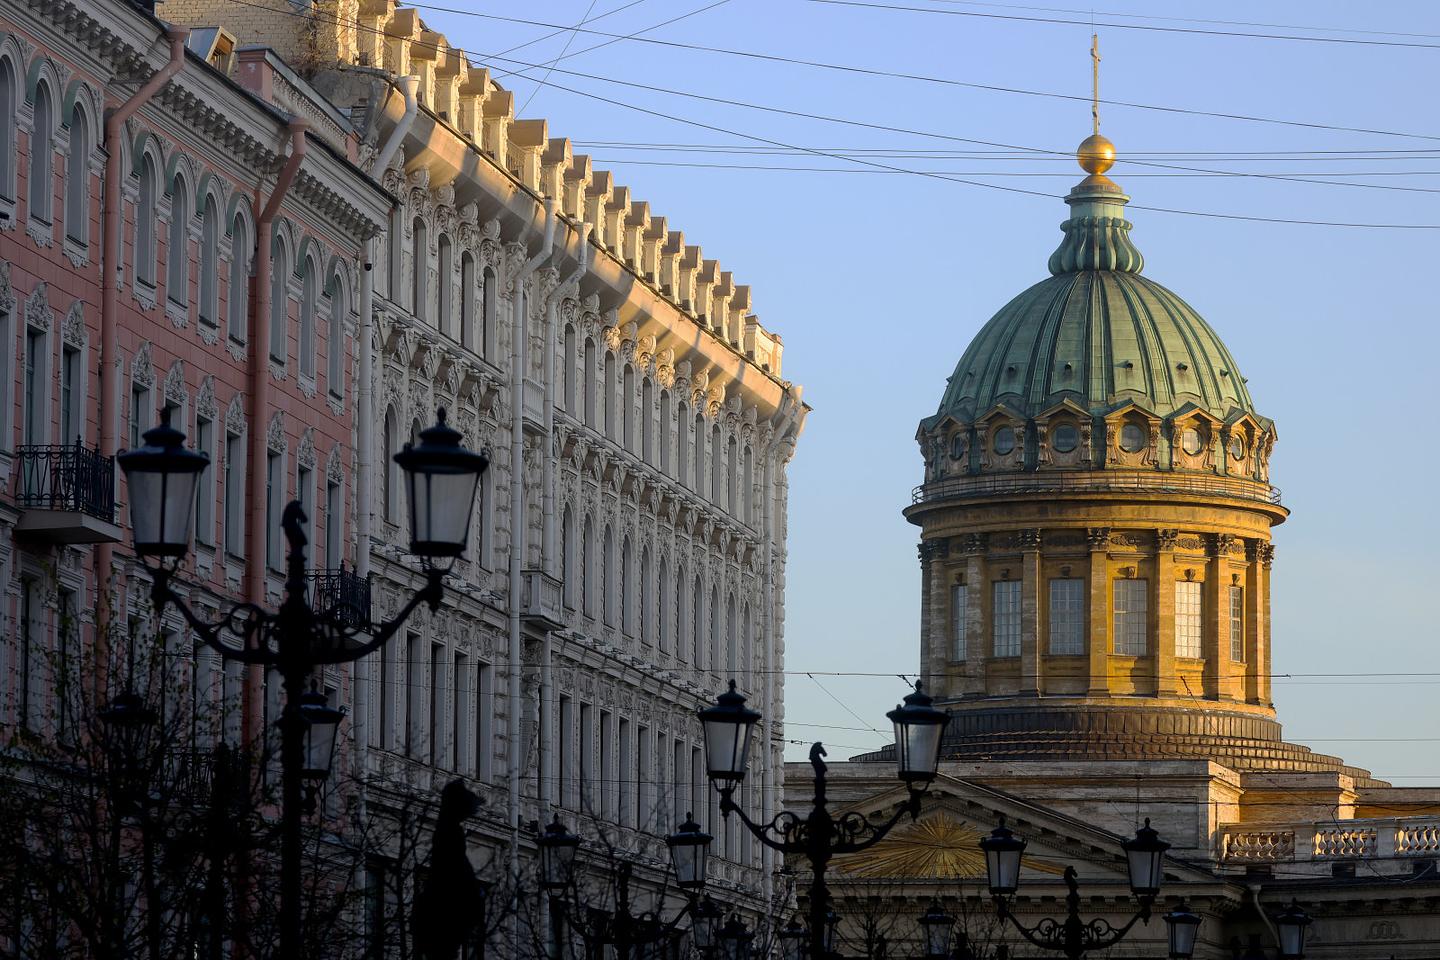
x=832, y=921
x=162, y=477
x=558, y=847
x=1002, y=860
x=792, y=940
x=322, y=723
x=441, y=478
x=1183, y=927
x=1290, y=926
x=919, y=732
x=689, y=851
x=936, y=926
x=727, y=727
x=735, y=940
x=1145, y=855
x=705, y=924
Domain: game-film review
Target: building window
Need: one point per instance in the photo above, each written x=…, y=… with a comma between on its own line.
x=484, y=721
x=419, y=295
x=42, y=156
x=959, y=613
x=1132, y=614
x=335, y=336
x=1188, y=610
x=607, y=398
x=334, y=524
x=29, y=657
x=567, y=557
x=627, y=415
x=415, y=661
x=467, y=302
x=8, y=149
x=35, y=377
x=139, y=414
x=279, y=299
x=77, y=179
x=234, y=495
x=564, y=751
x=463, y=755
x=444, y=265
x=177, y=252
x=70, y=384
x=1067, y=616
x=7, y=354
x=274, y=490
x=487, y=312
x=145, y=223
x=435, y=730
x=587, y=758
x=389, y=470
x=663, y=429
x=1237, y=623
x=205, y=489
x=237, y=292
x=209, y=307
x=309, y=295
x=305, y=494
x=1005, y=618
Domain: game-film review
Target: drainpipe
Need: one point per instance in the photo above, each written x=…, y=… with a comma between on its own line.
x=112, y=218
x=260, y=397
x=519, y=359
x=407, y=87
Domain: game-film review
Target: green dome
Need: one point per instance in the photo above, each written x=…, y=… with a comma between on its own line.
x=1096, y=333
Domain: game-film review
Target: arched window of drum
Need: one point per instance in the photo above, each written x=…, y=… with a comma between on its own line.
x=77, y=178
x=568, y=361
x=487, y=313
x=145, y=222
x=237, y=292
x=444, y=265
x=663, y=619
x=608, y=403
x=309, y=299
x=389, y=487
x=607, y=578
x=467, y=300
x=647, y=595
x=627, y=588
x=335, y=335
x=588, y=564
x=177, y=250
x=587, y=382
x=279, y=299
x=682, y=442
x=42, y=156
x=567, y=556
x=419, y=271
x=209, y=306
x=8, y=148
x=732, y=639
x=647, y=421
x=627, y=407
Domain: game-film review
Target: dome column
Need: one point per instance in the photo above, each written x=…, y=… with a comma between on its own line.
x=1030, y=659
x=977, y=649
x=934, y=639
x=1166, y=676
x=1257, y=620
x=1219, y=668
x=1098, y=605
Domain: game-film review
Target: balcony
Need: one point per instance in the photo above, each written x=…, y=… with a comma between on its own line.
x=342, y=594
x=66, y=494
x=543, y=601
x=1392, y=845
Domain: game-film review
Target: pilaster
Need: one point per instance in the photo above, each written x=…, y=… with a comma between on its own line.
x=1098, y=540
x=1256, y=656
x=1218, y=667
x=1030, y=659
x=977, y=644
x=1163, y=592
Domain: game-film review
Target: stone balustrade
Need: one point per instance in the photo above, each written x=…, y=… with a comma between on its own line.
x=1402, y=839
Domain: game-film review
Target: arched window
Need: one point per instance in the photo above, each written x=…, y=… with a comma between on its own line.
x=177, y=248
x=732, y=641
x=335, y=335
x=700, y=453
x=588, y=565
x=663, y=621
x=42, y=156
x=732, y=476
x=77, y=179
x=607, y=399
x=145, y=222
x=627, y=588
x=237, y=290
x=568, y=360
x=419, y=268
x=209, y=307
x=395, y=250
x=682, y=443
x=8, y=149
x=279, y=298
x=608, y=596
x=697, y=625
x=717, y=627
x=568, y=566
x=683, y=614
x=389, y=482
x=444, y=265
x=627, y=403
x=663, y=428
x=487, y=312
x=747, y=641
x=647, y=594
x=467, y=300
x=587, y=382
x=717, y=468
x=309, y=296
x=747, y=489
x=647, y=421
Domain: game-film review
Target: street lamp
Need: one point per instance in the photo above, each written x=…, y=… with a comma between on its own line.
x=295, y=639
x=819, y=836
x=689, y=853
x=322, y=723
x=1290, y=926
x=128, y=723
x=735, y=940
x=935, y=927
x=558, y=847
x=1073, y=936
x=792, y=940
x=1182, y=926
x=705, y=925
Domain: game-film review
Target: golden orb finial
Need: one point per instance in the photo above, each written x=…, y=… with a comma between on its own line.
x=1096, y=154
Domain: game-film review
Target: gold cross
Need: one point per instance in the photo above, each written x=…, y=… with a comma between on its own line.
x=1095, y=81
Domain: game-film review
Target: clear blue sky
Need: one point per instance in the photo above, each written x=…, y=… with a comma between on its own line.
x=877, y=281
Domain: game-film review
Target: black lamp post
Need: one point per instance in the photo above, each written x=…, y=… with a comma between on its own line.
x=625, y=931
x=936, y=926
x=735, y=940
x=1290, y=927
x=819, y=837
x=441, y=476
x=792, y=938
x=1182, y=927
x=1073, y=937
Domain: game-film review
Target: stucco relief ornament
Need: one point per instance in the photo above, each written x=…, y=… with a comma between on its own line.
x=175, y=383
x=1028, y=539
x=37, y=308
x=335, y=465
x=1220, y=544
x=235, y=416
x=1165, y=540
x=665, y=368
x=7, y=293
x=975, y=543
x=1097, y=538
x=72, y=329
x=140, y=369
x=205, y=404
x=275, y=434
x=305, y=452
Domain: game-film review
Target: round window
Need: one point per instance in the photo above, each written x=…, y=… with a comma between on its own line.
x=957, y=447
x=1132, y=438
x=1065, y=438
x=1237, y=447
x=1004, y=441
x=1191, y=441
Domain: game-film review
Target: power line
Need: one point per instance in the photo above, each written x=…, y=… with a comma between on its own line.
x=1027, y=153
x=556, y=33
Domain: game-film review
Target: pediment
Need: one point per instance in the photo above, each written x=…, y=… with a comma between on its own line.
x=1000, y=412
x=1130, y=406
x=1192, y=411
x=1066, y=405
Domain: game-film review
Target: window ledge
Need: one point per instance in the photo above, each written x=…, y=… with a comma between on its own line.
x=307, y=385
x=77, y=252
x=179, y=313
x=336, y=404
x=237, y=348
x=277, y=368
x=209, y=332
x=7, y=213
x=144, y=293
x=41, y=231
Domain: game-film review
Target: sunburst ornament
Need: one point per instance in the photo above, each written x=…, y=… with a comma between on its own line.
x=938, y=847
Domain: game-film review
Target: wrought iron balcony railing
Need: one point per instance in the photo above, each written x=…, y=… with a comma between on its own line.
x=342, y=594
x=72, y=478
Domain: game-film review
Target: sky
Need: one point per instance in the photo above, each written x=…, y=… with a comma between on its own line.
x=877, y=280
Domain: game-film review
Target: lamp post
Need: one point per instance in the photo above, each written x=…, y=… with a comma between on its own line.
x=1181, y=926
x=1290, y=928
x=628, y=932
x=441, y=479
x=935, y=927
x=819, y=837
x=1144, y=855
